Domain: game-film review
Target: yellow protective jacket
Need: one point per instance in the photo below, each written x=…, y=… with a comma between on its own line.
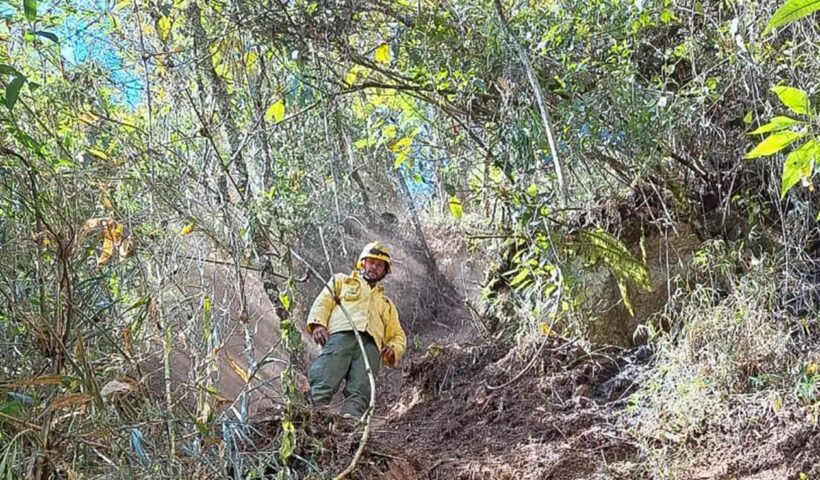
x=369, y=308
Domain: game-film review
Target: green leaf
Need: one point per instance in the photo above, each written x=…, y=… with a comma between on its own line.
x=389, y=131
x=625, y=296
x=11, y=408
x=747, y=119
x=363, y=143
x=455, y=207
x=13, y=91
x=350, y=78
x=206, y=306
x=798, y=166
x=401, y=148
x=382, y=54
x=794, y=98
x=790, y=11
x=523, y=274
x=401, y=145
x=276, y=112
x=30, y=9
x=288, y=440
x=48, y=35
x=164, y=27
x=9, y=70
x=774, y=143
x=99, y=153
x=284, y=299
x=206, y=317
x=121, y=5
x=400, y=158
x=775, y=124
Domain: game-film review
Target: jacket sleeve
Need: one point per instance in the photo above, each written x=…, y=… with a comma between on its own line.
x=393, y=333
x=323, y=305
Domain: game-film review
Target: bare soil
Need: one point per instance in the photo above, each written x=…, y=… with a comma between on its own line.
x=451, y=420
x=442, y=417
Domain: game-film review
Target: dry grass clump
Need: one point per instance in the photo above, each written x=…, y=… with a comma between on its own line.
x=738, y=354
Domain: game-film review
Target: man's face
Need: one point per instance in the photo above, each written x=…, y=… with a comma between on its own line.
x=373, y=269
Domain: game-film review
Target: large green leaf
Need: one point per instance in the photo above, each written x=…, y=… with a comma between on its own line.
x=790, y=11
x=775, y=124
x=9, y=70
x=774, y=143
x=798, y=166
x=30, y=9
x=797, y=100
x=13, y=91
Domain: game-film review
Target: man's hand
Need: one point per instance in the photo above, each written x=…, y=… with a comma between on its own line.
x=319, y=335
x=388, y=355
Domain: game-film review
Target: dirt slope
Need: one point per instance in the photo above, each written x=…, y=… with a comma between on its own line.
x=561, y=420
x=442, y=417
x=553, y=422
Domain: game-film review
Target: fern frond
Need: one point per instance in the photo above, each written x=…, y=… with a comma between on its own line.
x=599, y=245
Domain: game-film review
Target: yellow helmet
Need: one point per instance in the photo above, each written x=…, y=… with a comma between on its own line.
x=374, y=250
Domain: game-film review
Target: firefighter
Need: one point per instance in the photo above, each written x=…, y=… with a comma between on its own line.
x=372, y=314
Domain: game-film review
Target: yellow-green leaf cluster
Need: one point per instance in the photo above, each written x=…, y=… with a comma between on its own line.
x=401, y=148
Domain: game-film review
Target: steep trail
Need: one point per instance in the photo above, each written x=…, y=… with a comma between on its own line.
x=441, y=417
x=444, y=417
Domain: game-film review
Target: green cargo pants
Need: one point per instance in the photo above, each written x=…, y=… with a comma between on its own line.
x=341, y=359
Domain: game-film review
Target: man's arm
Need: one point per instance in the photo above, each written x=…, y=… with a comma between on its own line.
x=393, y=333
x=322, y=306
